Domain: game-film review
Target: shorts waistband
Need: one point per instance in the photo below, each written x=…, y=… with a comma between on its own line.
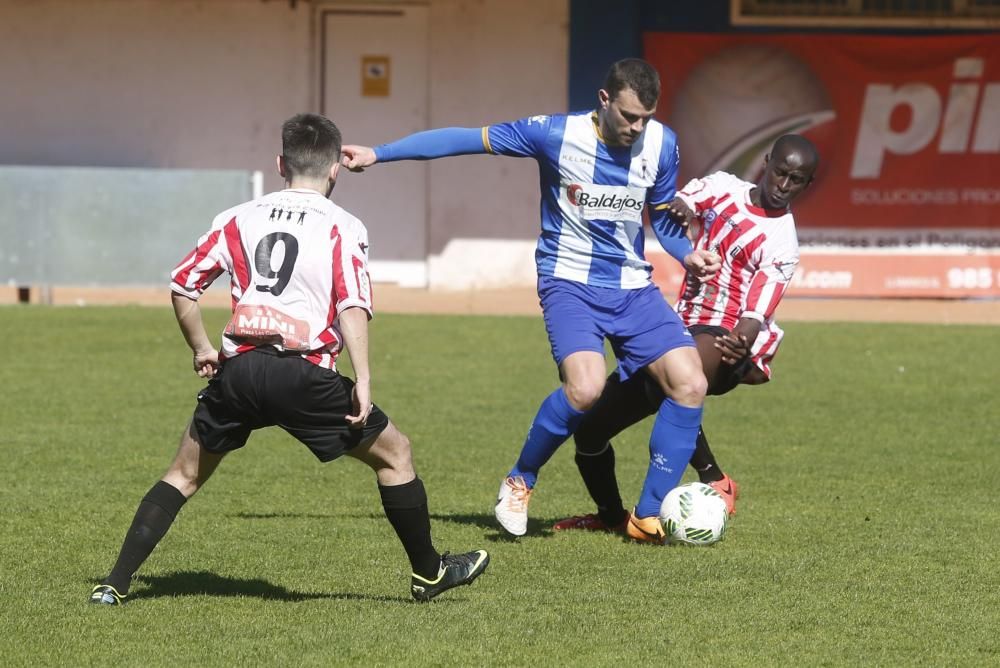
x=274, y=352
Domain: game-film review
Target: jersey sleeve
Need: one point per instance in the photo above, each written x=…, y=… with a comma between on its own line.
x=431, y=144
x=669, y=233
x=524, y=138
x=702, y=194
x=665, y=186
x=210, y=258
x=351, y=280
x=780, y=257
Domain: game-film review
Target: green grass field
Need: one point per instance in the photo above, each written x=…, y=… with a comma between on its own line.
x=867, y=533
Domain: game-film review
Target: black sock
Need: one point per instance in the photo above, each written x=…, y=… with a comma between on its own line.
x=598, y=472
x=152, y=519
x=703, y=461
x=406, y=507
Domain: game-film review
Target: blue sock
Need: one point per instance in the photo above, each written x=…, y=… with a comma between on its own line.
x=555, y=421
x=670, y=446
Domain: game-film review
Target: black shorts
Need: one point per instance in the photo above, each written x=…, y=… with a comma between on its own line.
x=263, y=389
x=714, y=330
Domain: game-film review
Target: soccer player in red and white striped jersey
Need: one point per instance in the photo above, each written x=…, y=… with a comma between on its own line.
x=759, y=251
x=296, y=261
x=730, y=315
x=298, y=267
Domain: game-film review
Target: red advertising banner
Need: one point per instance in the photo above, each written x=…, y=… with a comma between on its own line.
x=908, y=130
x=870, y=275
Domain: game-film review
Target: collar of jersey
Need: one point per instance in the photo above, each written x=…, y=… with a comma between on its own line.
x=761, y=211
x=302, y=191
x=597, y=126
x=597, y=130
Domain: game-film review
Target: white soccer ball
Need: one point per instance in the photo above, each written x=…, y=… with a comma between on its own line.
x=694, y=514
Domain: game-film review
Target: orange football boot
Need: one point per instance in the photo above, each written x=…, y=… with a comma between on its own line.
x=645, y=529
x=729, y=490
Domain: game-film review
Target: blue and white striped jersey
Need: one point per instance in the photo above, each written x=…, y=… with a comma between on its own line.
x=592, y=194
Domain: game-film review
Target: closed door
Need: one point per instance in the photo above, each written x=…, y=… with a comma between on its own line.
x=373, y=80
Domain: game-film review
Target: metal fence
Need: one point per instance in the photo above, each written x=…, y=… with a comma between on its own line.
x=100, y=226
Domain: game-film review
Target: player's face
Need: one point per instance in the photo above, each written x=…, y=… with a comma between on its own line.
x=785, y=177
x=623, y=118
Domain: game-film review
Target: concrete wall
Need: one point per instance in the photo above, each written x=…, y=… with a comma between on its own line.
x=150, y=83
x=205, y=83
x=488, y=65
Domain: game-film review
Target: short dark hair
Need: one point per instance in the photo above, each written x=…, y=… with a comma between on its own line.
x=636, y=74
x=310, y=144
x=792, y=143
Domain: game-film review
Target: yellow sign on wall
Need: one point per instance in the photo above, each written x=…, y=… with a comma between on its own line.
x=375, y=76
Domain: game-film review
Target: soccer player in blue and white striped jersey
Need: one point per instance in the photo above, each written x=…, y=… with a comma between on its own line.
x=598, y=170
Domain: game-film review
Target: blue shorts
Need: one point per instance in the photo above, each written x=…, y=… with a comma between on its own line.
x=639, y=324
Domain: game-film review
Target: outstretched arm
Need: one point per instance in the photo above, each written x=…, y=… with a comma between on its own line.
x=425, y=145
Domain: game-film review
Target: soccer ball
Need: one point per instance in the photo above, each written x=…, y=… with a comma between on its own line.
x=694, y=514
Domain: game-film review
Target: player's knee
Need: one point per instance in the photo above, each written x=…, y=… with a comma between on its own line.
x=584, y=394
x=754, y=376
x=690, y=390
x=393, y=450
x=404, y=450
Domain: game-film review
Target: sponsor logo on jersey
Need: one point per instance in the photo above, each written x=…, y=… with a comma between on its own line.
x=786, y=269
x=619, y=203
x=264, y=325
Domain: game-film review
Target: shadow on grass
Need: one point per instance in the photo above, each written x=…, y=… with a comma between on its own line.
x=537, y=528
x=285, y=516
x=204, y=583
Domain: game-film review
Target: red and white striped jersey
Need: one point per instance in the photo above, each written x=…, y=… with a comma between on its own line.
x=759, y=250
x=296, y=261
x=765, y=347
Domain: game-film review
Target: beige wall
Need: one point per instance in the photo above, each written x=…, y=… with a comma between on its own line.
x=149, y=83
x=204, y=83
x=489, y=65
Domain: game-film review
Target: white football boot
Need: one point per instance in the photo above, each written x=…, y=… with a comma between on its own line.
x=512, y=505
